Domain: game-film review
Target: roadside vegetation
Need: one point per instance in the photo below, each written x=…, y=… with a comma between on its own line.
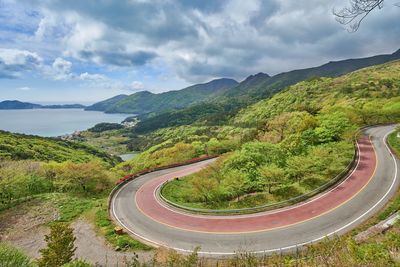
x=394, y=141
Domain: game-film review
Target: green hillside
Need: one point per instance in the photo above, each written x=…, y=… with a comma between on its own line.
x=303, y=139
x=370, y=95
x=251, y=90
x=23, y=147
x=103, y=105
x=146, y=102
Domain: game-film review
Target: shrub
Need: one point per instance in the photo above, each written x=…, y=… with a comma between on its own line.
x=11, y=257
x=60, y=246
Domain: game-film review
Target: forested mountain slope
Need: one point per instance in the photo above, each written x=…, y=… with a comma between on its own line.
x=251, y=90
x=146, y=102
x=371, y=94
x=103, y=105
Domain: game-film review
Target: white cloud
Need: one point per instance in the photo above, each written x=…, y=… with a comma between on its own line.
x=136, y=85
x=25, y=88
x=14, y=62
x=62, y=69
x=95, y=80
x=92, y=77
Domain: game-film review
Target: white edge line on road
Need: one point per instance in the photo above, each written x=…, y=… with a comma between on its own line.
x=276, y=249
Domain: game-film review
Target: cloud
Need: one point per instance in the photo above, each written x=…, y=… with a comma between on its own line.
x=92, y=77
x=95, y=80
x=122, y=59
x=200, y=40
x=62, y=69
x=136, y=85
x=25, y=88
x=14, y=62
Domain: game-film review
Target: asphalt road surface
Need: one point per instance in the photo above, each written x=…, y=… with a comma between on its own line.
x=362, y=193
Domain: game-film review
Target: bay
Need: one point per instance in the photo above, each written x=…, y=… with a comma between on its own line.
x=53, y=122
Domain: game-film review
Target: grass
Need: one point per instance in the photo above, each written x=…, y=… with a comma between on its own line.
x=394, y=142
x=393, y=205
x=113, y=142
x=10, y=256
x=69, y=206
x=106, y=227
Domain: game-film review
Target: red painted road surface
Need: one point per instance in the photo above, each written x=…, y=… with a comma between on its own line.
x=148, y=204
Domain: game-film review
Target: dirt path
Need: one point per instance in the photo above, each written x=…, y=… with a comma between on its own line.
x=24, y=227
x=95, y=250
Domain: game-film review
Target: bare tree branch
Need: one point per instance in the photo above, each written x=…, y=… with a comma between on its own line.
x=356, y=12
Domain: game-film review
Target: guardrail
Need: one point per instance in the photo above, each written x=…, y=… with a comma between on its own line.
x=338, y=178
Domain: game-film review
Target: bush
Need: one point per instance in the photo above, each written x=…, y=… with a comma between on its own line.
x=90, y=177
x=12, y=257
x=23, y=179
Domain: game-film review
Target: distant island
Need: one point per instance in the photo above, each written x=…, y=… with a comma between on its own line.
x=15, y=104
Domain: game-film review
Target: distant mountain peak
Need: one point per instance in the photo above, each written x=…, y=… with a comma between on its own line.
x=145, y=92
x=221, y=82
x=397, y=52
x=260, y=75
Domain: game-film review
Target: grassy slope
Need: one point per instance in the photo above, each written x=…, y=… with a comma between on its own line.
x=113, y=141
x=370, y=88
x=367, y=96
x=21, y=147
x=394, y=142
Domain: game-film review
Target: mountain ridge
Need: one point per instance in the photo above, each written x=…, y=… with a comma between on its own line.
x=16, y=104
x=147, y=102
x=254, y=89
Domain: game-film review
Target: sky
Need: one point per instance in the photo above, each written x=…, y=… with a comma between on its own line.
x=57, y=51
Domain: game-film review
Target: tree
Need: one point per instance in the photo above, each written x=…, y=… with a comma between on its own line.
x=60, y=246
x=277, y=126
x=356, y=13
x=287, y=124
x=332, y=126
x=204, y=187
x=272, y=175
x=235, y=183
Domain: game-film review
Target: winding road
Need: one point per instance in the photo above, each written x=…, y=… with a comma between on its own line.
x=362, y=193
